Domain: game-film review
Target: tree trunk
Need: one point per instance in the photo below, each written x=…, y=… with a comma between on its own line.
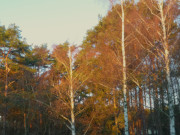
x=25, y=124
x=71, y=95
x=167, y=68
x=141, y=108
x=124, y=73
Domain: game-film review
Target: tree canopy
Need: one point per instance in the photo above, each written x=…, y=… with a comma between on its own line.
x=123, y=79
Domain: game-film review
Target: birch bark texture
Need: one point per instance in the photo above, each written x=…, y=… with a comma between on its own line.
x=124, y=70
x=73, y=131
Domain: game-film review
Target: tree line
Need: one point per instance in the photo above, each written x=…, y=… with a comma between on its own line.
x=124, y=79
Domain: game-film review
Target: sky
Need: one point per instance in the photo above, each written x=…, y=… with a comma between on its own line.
x=52, y=21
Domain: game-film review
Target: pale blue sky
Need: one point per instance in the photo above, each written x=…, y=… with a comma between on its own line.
x=52, y=21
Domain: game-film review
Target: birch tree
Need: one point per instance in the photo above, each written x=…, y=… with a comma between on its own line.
x=167, y=64
x=122, y=16
x=166, y=16
x=124, y=71
x=64, y=58
x=72, y=76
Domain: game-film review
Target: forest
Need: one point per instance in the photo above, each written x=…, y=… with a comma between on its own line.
x=124, y=79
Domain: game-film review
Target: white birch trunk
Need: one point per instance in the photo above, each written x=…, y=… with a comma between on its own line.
x=124, y=72
x=71, y=95
x=167, y=65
